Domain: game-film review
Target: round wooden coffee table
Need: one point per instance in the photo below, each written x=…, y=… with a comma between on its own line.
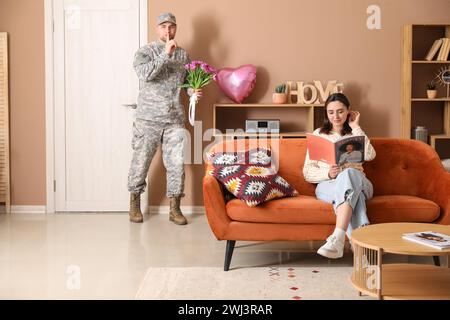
x=398, y=281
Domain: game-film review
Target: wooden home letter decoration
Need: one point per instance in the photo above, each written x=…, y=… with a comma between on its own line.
x=312, y=93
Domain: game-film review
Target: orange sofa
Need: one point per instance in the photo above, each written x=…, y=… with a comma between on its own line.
x=410, y=185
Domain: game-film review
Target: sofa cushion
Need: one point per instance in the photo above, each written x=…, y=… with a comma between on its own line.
x=397, y=208
x=253, y=184
x=308, y=210
x=299, y=209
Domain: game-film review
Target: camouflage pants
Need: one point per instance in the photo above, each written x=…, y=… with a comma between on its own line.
x=147, y=136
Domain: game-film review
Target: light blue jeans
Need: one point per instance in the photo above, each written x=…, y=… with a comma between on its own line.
x=350, y=186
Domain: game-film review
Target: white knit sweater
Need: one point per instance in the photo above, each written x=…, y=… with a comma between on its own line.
x=317, y=171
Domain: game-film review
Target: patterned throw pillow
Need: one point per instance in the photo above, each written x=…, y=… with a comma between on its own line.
x=225, y=158
x=257, y=156
x=253, y=184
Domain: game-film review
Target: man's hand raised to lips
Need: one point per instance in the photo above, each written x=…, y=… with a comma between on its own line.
x=170, y=45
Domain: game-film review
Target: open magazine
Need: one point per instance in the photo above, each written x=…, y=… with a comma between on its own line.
x=348, y=150
x=429, y=238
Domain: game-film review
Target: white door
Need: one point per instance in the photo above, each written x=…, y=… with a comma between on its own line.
x=95, y=41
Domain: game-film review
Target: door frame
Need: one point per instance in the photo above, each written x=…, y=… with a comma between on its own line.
x=50, y=92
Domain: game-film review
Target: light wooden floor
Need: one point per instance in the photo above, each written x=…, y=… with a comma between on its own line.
x=103, y=256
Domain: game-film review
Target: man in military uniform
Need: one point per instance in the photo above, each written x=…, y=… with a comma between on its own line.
x=159, y=117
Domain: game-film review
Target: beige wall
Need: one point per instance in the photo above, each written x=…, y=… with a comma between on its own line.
x=285, y=39
x=24, y=22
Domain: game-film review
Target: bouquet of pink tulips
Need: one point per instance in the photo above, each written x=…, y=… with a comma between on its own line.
x=199, y=75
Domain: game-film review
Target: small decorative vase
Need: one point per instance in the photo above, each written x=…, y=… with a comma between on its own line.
x=279, y=98
x=431, y=94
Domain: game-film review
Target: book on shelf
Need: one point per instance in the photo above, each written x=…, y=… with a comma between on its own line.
x=434, y=49
x=447, y=50
x=429, y=238
x=343, y=152
x=445, y=47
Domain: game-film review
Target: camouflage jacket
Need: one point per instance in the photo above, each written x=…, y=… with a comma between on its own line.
x=160, y=76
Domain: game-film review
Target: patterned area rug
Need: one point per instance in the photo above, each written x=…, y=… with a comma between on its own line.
x=274, y=283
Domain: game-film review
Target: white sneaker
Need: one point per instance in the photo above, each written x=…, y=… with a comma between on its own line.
x=332, y=249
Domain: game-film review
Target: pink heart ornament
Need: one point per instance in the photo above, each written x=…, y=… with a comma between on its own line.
x=237, y=83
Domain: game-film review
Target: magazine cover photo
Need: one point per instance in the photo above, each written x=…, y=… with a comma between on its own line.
x=350, y=150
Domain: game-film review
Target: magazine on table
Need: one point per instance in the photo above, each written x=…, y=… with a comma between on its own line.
x=343, y=152
x=429, y=238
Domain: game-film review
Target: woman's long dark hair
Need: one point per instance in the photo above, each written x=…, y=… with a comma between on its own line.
x=327, y=125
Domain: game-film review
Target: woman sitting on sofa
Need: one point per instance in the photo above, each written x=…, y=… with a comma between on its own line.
x=346, y=189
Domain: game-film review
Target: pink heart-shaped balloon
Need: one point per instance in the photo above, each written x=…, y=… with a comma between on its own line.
x=237, y=83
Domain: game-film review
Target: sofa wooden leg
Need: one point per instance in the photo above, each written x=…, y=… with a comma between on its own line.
x=437, y=263
x=229, y=254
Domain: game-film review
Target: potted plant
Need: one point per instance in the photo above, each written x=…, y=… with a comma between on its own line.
x=280, y=95
x=431, y=90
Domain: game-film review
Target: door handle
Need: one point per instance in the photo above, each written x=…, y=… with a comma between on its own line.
x=131, y=105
